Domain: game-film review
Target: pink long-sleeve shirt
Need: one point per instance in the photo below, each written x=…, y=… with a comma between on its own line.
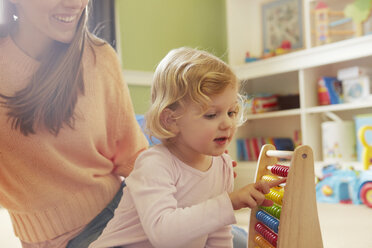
x=50, y=184
x=169, y=204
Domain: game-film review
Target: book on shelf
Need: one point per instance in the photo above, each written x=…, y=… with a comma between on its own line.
x=249, y=149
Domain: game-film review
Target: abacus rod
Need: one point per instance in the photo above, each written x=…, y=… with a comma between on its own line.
x=279, y=154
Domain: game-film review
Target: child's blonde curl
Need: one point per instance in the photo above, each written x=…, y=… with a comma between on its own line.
x=185, y=74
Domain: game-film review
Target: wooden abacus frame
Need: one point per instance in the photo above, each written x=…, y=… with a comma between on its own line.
x=299, y=223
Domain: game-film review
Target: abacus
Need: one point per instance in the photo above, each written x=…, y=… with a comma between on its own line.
x=292, y=222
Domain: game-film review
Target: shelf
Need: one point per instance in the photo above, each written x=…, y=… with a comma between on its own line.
x=339, y=107
x=317, y=56
x=312, y=110
x=353, y=48
x=279, y=113
x=297, y=72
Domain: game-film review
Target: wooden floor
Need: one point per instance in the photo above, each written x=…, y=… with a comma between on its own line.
x=342, y=226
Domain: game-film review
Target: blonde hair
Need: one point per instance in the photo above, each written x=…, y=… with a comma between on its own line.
x=50, y=97
x=185, y=74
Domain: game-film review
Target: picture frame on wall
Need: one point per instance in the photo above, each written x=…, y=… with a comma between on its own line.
x=282, y=21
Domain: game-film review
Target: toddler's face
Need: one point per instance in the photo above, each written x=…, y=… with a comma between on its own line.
x=209, y=133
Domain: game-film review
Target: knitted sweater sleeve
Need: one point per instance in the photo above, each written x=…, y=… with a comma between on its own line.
x=124, y=129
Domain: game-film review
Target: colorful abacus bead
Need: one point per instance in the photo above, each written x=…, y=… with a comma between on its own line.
x=266, y=233
x=268, y=220
x=275, y=195
x=280, y=170
x=262, y=242
x=269, y=178
x=274, y=210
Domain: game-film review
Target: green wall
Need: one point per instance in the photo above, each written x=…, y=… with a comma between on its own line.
x=140, y=97
x=150, y=28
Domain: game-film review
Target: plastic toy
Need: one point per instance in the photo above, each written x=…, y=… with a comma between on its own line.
x=366, y=188
x=327, y=190
x=329, y=91
x=267, y=54
x=359, y=12
x=333, y=25
x=292, y=221
x=356, y=89
x=349, y=186
x=329, y=23
x=285, y=47
x=360, y=121
x=261, y=103
x=286, y=44
x=367, y=148
x=346, y=186
x=249, y=59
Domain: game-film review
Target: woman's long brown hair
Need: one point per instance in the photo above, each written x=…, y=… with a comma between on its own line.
x=50, y=97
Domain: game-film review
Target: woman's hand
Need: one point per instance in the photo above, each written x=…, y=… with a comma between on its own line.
x=253, y=195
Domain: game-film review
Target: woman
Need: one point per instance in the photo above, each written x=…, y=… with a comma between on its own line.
x=67, y=125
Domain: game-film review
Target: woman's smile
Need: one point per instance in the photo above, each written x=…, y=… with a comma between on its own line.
x=65, y=18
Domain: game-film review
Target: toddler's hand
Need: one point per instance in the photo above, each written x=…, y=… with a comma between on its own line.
x=253, y=195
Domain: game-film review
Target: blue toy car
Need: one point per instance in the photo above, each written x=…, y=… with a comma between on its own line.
x=346, y=186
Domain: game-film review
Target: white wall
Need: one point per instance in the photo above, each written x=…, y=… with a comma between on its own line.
x=7, y=238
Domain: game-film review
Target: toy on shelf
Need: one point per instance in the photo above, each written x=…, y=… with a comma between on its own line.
x=285, y=47
x=329, y=91
x=292, y=221
x=327, y=23
x=331, y=25
x=249, y=59
x=358, y=11
x=261, y=103
x=356, y=83
x=267, y=54
x=289, y=101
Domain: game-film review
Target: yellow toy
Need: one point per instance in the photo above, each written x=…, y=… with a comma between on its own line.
x=367, y=148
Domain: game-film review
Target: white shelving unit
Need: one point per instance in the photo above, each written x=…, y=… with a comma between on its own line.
x=296, y=72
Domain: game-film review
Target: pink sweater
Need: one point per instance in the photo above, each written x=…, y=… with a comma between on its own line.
x=52, y=185
x=170, y=204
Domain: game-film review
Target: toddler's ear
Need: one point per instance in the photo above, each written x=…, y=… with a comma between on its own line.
x=168, y=120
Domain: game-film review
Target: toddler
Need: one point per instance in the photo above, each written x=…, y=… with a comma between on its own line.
x=180, y=193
